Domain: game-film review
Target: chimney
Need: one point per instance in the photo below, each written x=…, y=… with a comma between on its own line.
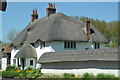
x=50, y=10
x=34, y=15
x=88, y=29
x=87, y=25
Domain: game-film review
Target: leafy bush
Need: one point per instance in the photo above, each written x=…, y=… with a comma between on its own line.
x=30, y=73
x=23, y=73
x=103, y=75
x=87, y=75
x=9, y=74
x=11, y=68
x=34, y=74
x=29, y=68
x=68, y=75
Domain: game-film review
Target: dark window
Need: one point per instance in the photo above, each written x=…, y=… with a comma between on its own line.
x=65, y=44
x=31, y=62
x=97, y=45
x=69, y=44
x=8, y=58
x=32, y=44
x=42, y=45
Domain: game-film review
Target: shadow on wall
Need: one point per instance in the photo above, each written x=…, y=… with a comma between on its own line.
x=81, y=65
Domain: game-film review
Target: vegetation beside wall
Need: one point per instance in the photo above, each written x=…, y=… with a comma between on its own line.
x=83, y=77
x=31, y=73
x=14, y=72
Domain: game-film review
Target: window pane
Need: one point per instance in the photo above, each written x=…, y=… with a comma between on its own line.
x=64, y=44
x=31, y=62
x=68, y=43
x=95, y=45
x=98, y=45
x=71, y=45
x=74, y=44
x=43, y=44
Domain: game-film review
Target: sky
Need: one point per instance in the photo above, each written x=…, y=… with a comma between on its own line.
x=17, y=15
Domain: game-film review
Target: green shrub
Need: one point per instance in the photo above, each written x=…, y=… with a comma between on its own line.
x=34, y=74
x=103, y=75
x=68, y=75
x=9, y=74
x=29, y=68
x=30, y=73
x=11, y=68
x=87, y=75
x=23, y=74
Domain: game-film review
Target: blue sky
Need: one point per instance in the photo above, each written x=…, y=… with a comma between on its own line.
x=17, y=15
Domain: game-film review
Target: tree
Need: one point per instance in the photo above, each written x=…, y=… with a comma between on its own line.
x=12, y=34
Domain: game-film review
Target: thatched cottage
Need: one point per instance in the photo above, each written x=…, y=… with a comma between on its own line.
x=58, y=44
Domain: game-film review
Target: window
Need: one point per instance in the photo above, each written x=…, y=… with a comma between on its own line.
x=97, y=45
x=42, y=45
x=31, y=62
x=14, y=62
x=69, y=44
x=32, y=44
x=29, y=31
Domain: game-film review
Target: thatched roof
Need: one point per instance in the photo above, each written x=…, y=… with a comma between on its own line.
x=58, y=27
x=27, y=51
x=82, y=55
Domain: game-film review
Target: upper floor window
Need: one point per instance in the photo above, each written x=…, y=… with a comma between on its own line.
x=69, y=44
x=97, y=45
x=29, y=31
x=42, y=45
x=33, y=44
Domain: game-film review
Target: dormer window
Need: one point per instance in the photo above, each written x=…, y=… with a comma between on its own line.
x=29, y=31
x=69, y=44
x=42, y=45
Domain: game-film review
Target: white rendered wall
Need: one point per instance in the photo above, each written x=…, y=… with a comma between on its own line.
x=78, y=68
x=79, y=72
x=4, y=63
x=13, y=53
x=27, y=62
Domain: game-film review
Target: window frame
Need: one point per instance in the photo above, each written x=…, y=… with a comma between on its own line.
x=69, y=45
x=97, y=45
x=30, y=63
x=42, y=44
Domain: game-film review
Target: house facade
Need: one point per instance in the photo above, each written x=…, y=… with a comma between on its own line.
x=6, y=56
x=56, y=35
